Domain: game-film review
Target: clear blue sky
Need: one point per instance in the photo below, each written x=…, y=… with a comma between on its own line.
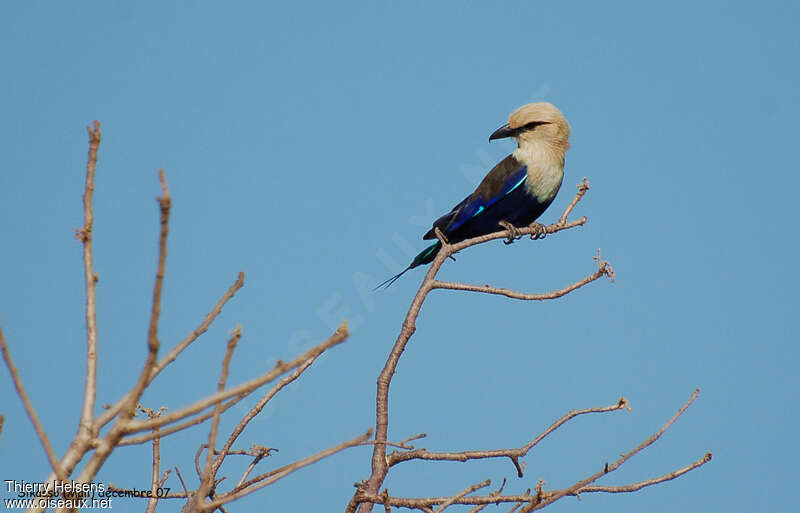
x=311, y=145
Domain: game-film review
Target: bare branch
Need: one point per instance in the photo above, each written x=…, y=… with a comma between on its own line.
x=85, y=236
x=513, y=454
x=155, y=482
x=604, y=269
x=551, y=498
x=582, y=188
x=26, y=402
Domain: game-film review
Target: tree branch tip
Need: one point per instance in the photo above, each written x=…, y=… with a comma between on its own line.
x=342, y=331
x=604, y=266
x=415, y=437
x=165, y=198
x=499, y=490
x=624, y=403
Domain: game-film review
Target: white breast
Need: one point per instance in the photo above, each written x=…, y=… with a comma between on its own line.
x=545, y=170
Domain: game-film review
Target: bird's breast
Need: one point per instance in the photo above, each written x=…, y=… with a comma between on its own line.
x=545, y=172
x=544, y=181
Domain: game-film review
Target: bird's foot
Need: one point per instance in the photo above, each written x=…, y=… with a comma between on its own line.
x=513, y=232
x=539, y=230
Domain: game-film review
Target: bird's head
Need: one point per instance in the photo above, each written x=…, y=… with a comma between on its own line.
x=538, y=122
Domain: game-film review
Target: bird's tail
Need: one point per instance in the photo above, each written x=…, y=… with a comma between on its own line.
x=425, y=257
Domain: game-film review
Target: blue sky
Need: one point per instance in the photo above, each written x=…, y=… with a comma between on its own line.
x=311, y=145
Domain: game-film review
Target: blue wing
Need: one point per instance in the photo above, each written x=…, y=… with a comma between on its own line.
x=502, y=180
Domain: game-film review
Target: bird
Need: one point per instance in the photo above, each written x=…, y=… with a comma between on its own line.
x=516, y=191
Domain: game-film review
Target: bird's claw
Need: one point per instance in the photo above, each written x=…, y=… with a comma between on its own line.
x=513, y=232
x=539, y=230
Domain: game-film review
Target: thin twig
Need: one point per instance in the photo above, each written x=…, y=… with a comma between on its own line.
x=604, y=269
x=463, y=493
x=495, y=493
x=648, y=482
x=208, y=475
x=197, y=466
x=183, y=483
x=26, y=402
x=399, y=445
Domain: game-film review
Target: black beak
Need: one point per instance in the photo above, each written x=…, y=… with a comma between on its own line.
x=502, y=132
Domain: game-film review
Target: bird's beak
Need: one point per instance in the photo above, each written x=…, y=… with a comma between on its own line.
x=502, y=132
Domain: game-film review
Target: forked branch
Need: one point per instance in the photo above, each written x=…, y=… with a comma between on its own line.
x=380, y=462
x=542, y=498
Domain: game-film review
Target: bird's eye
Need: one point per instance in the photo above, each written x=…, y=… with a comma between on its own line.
x=534, y=124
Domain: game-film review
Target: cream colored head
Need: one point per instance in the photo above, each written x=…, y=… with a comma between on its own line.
x=536, y=123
